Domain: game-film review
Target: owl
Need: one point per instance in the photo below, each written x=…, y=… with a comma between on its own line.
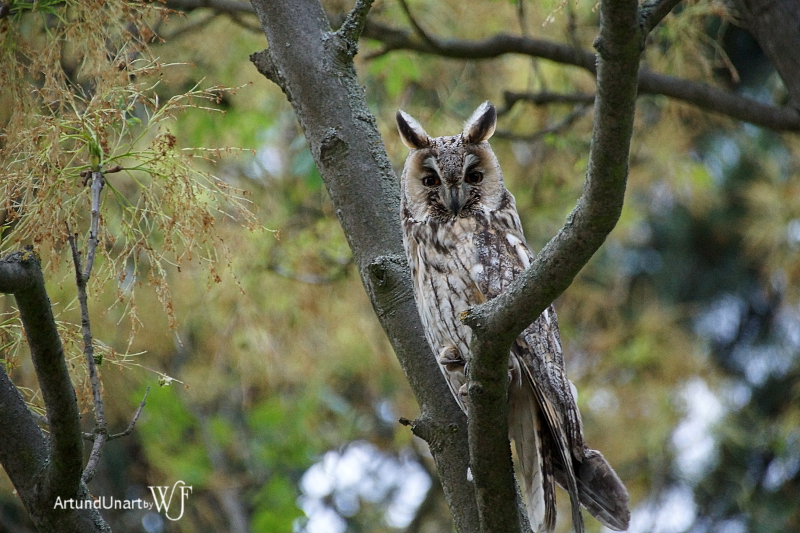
x=465, y=245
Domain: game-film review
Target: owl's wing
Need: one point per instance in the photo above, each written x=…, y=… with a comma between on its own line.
x=538, y=418
x=584, y=473
x=600, y=491
x=537, y=357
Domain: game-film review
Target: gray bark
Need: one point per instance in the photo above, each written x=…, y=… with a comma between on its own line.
x=313, y=66
x=43, y=469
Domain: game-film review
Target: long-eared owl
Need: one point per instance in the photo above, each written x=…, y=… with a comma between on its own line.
x=465, y=245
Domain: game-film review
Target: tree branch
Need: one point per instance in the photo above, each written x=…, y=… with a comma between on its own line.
x=130, y=427
x=41, y=472
x=579, y=111
x=698, y=94
x=544, y=98
x=48, y=360
x=701, y=95
x=497, y=323
x=417, y=28
x=81, y=279
x=23, y=448
x=653, y=11
x=354, y=23
x=316, y=73
x=598, y=208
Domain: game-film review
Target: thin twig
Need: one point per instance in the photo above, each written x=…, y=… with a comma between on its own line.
x=192, y=26
x=417, y=28
x=97, y=186
x=339, y=270
x=130, y=427
x=100, y=431
x=544, y=98
x=222, y=6
x=41, y=419
x=523, y=23
x=561, y=125
x=82, y=277
x=91, y=436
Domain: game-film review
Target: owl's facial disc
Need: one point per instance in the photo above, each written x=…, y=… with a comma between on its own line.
x=453, y=188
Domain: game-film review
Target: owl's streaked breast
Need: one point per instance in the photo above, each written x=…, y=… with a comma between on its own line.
x=444, y=264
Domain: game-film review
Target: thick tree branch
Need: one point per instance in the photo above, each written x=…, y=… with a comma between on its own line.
x=701, y=95
x=698, y=94
x=313, y=67
x=48, y=360
x=41, y=470
x=498, y=322
x=715, y=100
x=23, y=448
x=598, y=208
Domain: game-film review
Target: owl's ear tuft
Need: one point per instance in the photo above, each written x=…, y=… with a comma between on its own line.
x=411, y=133
x=480, y=126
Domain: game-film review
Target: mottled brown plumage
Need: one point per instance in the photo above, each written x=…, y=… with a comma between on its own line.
x=465, y=245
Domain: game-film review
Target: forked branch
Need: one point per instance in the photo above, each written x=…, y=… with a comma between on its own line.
x=497, y=323
x=45, y=470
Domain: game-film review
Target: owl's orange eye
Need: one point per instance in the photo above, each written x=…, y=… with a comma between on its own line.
x=431, y=180
x=474, y=177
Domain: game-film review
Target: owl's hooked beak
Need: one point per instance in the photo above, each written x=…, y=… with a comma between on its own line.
x=455, y=197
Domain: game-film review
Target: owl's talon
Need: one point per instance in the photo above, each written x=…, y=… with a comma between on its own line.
x=450, y=358
x=462, y=391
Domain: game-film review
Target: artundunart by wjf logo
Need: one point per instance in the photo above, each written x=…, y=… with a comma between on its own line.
x=168, y=500
x=164, y=504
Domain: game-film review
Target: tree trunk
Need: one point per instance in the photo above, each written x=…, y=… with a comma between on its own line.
x=313, y=66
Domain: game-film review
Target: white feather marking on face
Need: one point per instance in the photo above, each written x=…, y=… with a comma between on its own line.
x=469, y=160
x=431, y=164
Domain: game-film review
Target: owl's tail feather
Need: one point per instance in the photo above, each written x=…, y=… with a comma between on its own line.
x=600, y=490
x=536, y=470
